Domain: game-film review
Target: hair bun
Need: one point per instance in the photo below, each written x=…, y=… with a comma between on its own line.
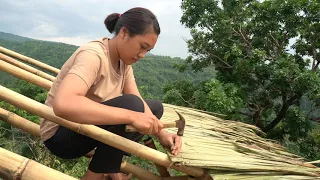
x=111, y=21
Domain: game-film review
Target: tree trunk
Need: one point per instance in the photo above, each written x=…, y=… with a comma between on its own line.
x=282, y=113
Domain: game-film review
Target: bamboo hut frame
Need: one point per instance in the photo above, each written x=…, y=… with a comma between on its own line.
x=34, y=129
x=29, y=60
x=89, y=130
x=21, y=168
x=26, y=67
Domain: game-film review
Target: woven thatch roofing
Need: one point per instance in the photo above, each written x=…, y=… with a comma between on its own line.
x=233, y=150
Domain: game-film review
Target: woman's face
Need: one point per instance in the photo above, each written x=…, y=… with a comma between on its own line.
x=131, y=49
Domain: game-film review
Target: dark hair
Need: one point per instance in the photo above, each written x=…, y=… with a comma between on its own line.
x=136, y=20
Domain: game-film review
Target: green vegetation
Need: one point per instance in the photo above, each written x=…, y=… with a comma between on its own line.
x=267, y=55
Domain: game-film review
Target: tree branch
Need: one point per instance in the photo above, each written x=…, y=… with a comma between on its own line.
x=249, y=46
x=244, y=113
x=314, y=55
x=282, y=113
x=316, y=66
x=221, y=60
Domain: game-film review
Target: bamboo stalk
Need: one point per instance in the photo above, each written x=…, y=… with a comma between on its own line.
x=20, y=122
x=26, y=67
x=29, y=60
x=34, y=129
x=25, y=75
x=138, y=172
x=17, y=167
x=95, y=132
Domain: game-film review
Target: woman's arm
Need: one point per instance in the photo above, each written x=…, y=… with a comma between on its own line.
x=132, y=88
x=70, y=103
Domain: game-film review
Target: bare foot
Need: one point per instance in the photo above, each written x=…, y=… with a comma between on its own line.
x=89, y=175
x=118, y=176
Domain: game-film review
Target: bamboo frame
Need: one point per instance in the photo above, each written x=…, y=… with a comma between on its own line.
x=42, y=82
x=26, y=67
x=95, y=132
x=34, y=129
x=25, y=75
x=21, y=168
x=29, y=60
x=20, y=122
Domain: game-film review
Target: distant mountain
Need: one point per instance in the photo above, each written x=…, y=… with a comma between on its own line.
x=151, y=73
x=12, y=37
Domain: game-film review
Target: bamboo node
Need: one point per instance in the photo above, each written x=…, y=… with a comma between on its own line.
x=79, y=128
x=20, y=170
x=9, y=115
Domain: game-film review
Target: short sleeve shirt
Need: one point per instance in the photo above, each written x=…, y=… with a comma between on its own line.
x=92, y=64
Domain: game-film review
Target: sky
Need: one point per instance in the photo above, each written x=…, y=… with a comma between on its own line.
x=79, y=21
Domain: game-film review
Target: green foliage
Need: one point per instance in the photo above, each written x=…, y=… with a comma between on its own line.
x=269, y=52
x=153, y=72
x=248, y=41
x=210, y=95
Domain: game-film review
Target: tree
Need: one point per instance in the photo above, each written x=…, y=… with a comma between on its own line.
x=269, y=49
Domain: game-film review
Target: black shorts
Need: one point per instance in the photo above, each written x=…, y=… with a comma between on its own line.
x=68, y=144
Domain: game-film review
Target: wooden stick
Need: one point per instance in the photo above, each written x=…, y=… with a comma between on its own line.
x=95, y=132
x=34, y=129
x=16, y=167
x=138, y=172
x=26, y=67
x=29, y=60
x=25, y=75
x=130, y=128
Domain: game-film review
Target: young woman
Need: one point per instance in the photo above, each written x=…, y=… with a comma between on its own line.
x=96, y=86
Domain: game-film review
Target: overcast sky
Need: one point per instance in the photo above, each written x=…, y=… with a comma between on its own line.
x=80, y=21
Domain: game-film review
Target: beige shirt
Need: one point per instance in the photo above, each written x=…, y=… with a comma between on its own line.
x=92, y=64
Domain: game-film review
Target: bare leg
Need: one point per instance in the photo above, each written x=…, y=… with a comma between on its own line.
x=119, y=176
x=89, y=175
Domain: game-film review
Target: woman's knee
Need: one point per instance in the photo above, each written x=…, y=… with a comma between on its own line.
x=127, y=101
x=135, y=102
x=156, y=107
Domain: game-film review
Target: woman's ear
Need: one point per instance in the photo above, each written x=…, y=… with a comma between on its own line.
x=124, y=33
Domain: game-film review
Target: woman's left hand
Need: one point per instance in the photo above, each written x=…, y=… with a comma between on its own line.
x=171, y=141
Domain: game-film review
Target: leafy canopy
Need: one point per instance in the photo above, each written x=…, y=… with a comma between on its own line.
x=269, y=49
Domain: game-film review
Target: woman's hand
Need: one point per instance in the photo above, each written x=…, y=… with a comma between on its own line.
x=171, y=141
x=146, y=123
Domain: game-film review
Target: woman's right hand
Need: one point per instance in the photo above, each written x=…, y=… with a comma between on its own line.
x=147, y=123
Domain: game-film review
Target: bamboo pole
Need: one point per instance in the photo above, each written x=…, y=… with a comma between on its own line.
x=95, y=132
x=26, y=67
x=25, y=75
x=29, y=60
x=34, y=129
x=138, y=172
x=16, y=167
x=20, y=122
